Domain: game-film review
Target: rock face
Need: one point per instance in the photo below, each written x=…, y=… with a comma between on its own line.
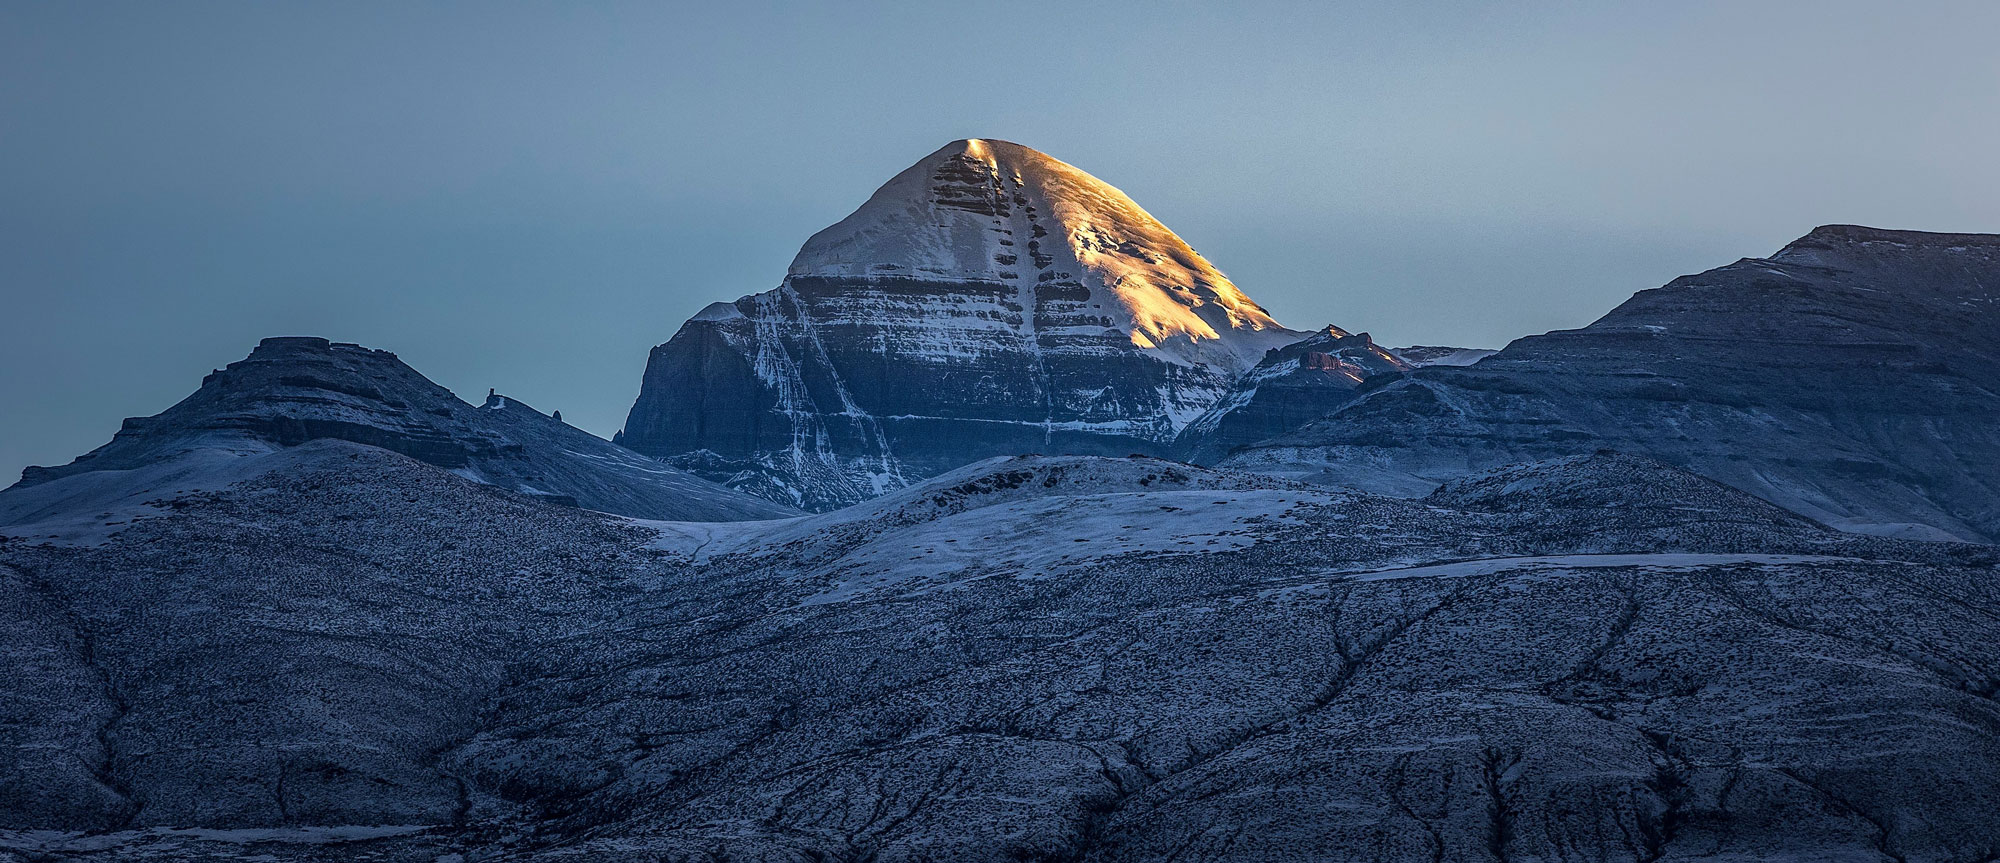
x=293, y=390
x=1290, y=387
x=1854, y=377
x=989, y=300
x=359, y=655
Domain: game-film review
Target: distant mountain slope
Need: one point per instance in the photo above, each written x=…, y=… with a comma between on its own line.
x=990, y=300
x=1854, y=377
x=1293, y=385
x=293, y=390
x=1057, y=658
x=1439, y=355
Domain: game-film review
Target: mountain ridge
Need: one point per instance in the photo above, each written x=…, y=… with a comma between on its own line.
x=1853, y=377
x=295, y=389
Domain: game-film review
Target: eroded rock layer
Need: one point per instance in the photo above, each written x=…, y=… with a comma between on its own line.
x=990, y=300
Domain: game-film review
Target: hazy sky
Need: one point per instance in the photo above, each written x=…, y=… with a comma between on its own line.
x=529, y=196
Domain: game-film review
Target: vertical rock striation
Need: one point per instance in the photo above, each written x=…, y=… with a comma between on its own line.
x=989, y=300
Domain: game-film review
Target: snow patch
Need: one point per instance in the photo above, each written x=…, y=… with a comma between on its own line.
x=717, y=312
x=87, y=509
x=1049, y=537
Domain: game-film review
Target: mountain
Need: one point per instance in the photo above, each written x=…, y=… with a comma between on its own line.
x=293, y=390
x=989, y=300
x=1290, y=387
x=364, y=656
x=1684, y=584
x=1853, y=377
x=1439, y=355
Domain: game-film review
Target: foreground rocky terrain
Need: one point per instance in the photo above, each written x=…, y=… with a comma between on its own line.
x=1597, y=657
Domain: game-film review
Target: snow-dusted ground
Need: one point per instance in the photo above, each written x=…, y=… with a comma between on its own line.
x=1575, y=562
x=87, y=508
x=1028, y=658
x=1051, y=537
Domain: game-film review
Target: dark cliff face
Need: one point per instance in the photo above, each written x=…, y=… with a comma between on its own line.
x=814, y=395
x=988, y=301
x=1854, y=377
x=293, y=390
x=1292, y=386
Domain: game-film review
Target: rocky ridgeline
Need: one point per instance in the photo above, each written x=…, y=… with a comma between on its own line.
x=1853, y=377
x=1290, y=387
x=293, y=390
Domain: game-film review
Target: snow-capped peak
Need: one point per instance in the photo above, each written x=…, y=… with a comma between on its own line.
x=993, y=211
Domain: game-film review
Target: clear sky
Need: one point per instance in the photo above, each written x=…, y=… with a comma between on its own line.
x=529, y=196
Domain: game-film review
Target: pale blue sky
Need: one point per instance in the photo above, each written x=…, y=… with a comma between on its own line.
x=529, y=196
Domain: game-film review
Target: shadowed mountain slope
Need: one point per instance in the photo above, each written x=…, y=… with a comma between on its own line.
x=1290, y=387
x=293, y=390
x=1854, y=377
